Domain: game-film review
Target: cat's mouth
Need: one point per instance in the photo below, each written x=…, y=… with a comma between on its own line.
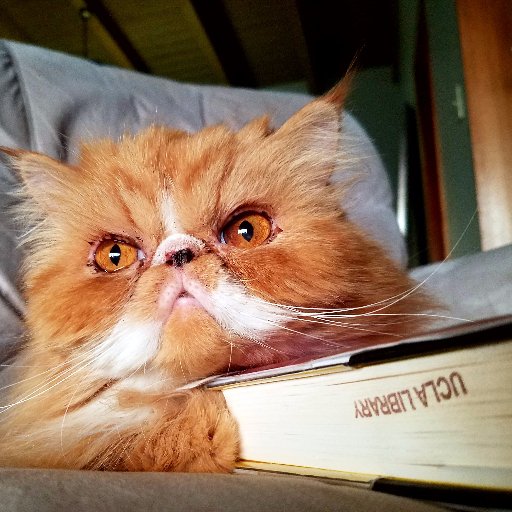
x=178, y=294
x=186, y=299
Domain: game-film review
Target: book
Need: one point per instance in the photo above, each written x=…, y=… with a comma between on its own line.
x=435, y=409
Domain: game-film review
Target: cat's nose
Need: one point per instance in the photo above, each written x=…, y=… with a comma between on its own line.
x=179, y=258
x=178, y=250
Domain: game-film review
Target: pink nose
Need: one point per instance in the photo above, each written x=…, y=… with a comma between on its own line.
x=177, y=250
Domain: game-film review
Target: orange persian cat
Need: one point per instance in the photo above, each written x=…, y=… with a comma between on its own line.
x=168, y=257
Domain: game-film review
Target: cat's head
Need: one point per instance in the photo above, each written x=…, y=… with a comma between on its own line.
x=189, y=252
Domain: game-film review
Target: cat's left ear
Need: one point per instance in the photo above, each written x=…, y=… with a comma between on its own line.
x=45, y=179
x=312, y=135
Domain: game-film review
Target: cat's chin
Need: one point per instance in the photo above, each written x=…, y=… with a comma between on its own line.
x=193, y=345
x=185, y=309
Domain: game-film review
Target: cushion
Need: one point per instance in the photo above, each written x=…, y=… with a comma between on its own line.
x=23, y=490
x=471, y=287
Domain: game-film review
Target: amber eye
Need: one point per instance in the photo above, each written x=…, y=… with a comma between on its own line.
x=247, y=230
x=112, y=255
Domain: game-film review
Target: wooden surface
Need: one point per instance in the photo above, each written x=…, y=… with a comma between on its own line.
x=486, y=43
x=448, y=176
x=433, y=198
x=249, y=43
x=168, y=38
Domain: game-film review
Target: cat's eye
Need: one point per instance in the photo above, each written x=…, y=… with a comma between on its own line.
x=113, y=255
x=247, y=230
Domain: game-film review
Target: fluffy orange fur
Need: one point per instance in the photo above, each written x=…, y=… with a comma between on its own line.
x=89, y=394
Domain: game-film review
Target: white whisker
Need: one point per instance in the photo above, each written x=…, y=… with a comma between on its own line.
x=49, y=370
x=67, y=373
x=36, y=393
x=65, y=415
x=354, y=327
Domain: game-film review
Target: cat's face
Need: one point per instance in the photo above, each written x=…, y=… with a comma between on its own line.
x=183, y=252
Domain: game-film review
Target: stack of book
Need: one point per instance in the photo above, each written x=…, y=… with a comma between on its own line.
x=430, y=414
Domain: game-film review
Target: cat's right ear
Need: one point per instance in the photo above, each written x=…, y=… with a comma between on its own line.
x=44, y=178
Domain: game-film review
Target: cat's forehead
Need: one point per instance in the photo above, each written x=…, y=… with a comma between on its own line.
x=170, y=182
x=157, y=147
x=171, y=220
